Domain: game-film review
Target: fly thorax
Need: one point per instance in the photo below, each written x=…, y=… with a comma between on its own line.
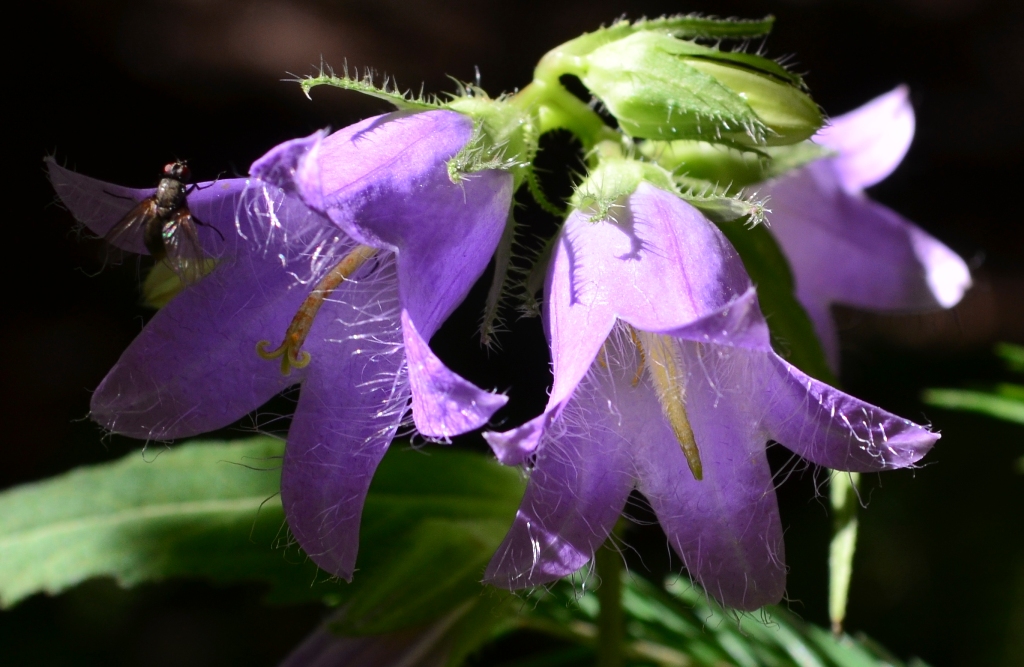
x=170, y=194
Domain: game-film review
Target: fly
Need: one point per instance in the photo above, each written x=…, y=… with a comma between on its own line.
x=168, y=227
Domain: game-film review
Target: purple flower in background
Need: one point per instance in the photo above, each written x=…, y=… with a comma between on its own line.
x=845, y=248
x=353, y=248
x=665, y=381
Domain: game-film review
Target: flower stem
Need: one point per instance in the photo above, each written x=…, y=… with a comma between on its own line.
x=845, y=503
x=611, y=627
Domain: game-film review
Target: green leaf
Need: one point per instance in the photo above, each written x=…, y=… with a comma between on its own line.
x=1006, y=401
x=1013, y=355
x=679, y=625
x=431, y=521
x=793, y=334
x=206, y=510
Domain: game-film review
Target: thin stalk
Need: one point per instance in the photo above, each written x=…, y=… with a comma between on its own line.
x=611, y=626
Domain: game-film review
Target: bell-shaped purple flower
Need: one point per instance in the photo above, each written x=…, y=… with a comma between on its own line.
x=845, y=248
x=353, y=248
x=665, y=382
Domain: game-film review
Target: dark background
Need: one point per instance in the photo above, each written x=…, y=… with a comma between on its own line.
x=117, y=88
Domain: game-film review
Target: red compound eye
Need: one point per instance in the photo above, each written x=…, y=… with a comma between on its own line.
x=184, y=173
x=169, y=168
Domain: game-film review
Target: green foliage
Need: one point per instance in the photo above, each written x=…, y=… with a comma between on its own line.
x=432, y=521
x=193, y=511
x=679, y=626
x=1002, y=401
x=201, y=510
x=793, y=334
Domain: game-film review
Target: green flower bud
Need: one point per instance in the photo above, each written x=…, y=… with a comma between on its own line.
x=660, y=87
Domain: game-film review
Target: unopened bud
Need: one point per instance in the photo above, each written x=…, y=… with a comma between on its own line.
x=660, y=87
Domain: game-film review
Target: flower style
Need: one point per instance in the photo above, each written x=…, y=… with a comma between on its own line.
x=354, y=247
x=665, y=381
x=845, y=248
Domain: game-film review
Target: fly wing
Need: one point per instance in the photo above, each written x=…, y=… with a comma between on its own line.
x=128, y=233
x=184, y=251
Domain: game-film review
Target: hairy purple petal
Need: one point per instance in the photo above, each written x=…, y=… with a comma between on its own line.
x=658, y=265
x=661, y=268
x=725, y=526
x=385, y=182
x=443, y=403
x=194, y=367
x=871, y=140
x=578, y=486
x=848, y=249
x=353, y=400
x=833, y=429
x=844, y=248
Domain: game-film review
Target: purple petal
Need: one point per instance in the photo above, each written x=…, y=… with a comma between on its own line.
x=281, y=166
x=514, y=447
x=99, y=206
x=726, y=526
x=443, y=404
x=830, y=428
x=847, y=249
x=428, y=646
x=385, y=182
x=353, y=400
x=578, y=486
x=194, y=367
x=871, y=140
x=659, y=265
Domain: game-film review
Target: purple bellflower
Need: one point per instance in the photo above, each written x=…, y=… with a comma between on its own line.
x=665, y=382
x=352, y=248
x=845, y=248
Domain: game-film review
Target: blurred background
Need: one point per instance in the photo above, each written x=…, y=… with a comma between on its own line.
x=116, y=88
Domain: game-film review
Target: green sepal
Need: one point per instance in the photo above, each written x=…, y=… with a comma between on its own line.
x=682, y=26
x=793, y=335
x=721, y=208
x=613, y=179
x=366, y=85
x=504, y=137
x=731, y=168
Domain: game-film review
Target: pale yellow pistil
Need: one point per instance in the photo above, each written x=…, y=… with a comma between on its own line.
x=661, y=356
x=290, y=350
